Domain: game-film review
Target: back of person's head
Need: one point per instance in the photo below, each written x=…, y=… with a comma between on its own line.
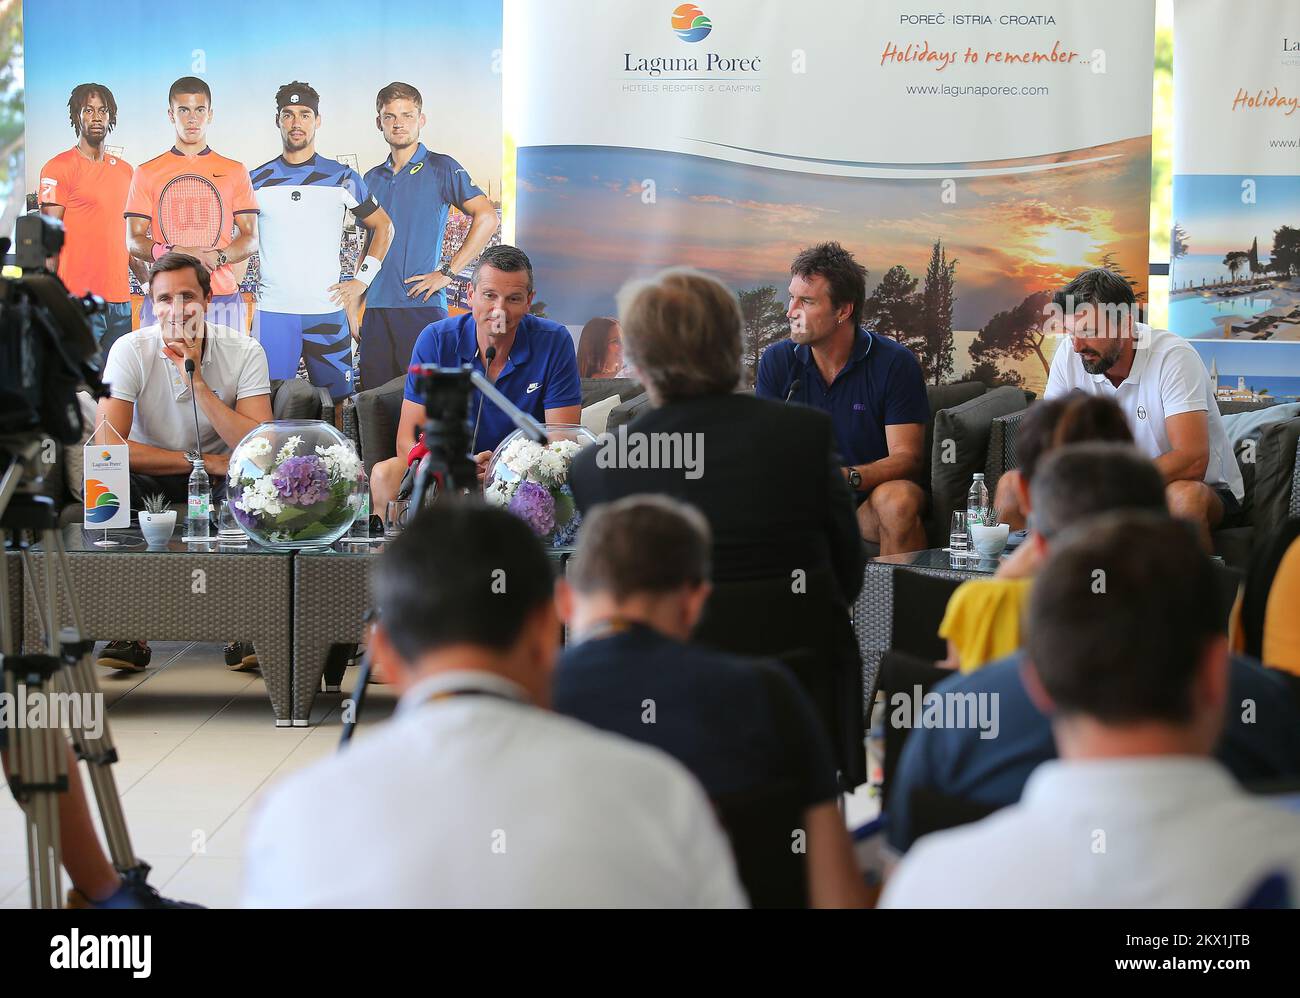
x=641, y=545
x=1120, y=621
x=1070, y=419
x=682, y=332
x=461, y=573
x=1077, y=481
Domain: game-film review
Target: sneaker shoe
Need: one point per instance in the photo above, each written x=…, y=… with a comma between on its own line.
x=240, y=657
x=132, y=894
x=128, y=656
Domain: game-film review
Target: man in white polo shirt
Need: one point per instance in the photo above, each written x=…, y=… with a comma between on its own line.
x=1160, y=382
x=475, y=794
x=151, y=405
x=1134, y=813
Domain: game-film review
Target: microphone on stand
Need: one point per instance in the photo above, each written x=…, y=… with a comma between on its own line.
x=491, y=355
x=189, y=369
x=795, y=385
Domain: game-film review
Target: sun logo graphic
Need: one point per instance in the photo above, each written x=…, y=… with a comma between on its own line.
x=104, y=455
x=101, y=505
x=690, y=23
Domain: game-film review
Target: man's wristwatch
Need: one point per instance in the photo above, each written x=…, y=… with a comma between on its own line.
x=855, y=478
x=222, y=259
x=445, y=269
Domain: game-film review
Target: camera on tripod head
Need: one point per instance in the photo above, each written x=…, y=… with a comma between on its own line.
x=47, y=348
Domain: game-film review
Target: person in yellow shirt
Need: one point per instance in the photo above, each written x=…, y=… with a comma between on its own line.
x=982, y=620
x=1265, y=621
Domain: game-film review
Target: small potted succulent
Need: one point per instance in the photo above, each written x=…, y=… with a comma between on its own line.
x=157, y=520
x=989, y=534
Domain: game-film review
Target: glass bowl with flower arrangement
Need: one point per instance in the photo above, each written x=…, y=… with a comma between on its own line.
x=295, y=483
x=532, y=481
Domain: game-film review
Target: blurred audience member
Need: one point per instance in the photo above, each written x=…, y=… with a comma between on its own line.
x=600, y=349
x=1135, y=676
x=634, y=593
x=474, y=794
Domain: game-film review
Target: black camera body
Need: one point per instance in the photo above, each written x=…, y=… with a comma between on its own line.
x=47, y=349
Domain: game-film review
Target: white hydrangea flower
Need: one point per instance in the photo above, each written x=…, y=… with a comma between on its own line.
x=500, y=492
x=261, y=497
x=566, y=448
x=341, y=462
x=257, y=447
x=551, y=468
x=521, y=456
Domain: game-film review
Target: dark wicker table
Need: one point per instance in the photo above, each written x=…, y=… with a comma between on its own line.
x=181, y=592
x=873, y=613
x=331, y=592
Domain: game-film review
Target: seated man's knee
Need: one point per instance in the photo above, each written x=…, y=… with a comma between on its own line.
x=897, y=504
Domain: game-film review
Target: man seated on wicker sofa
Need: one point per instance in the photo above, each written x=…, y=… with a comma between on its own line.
x=150, y=405
x=1160, y=382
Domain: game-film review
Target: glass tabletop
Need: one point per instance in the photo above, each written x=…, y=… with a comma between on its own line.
x=129, y=540
x=350, y=548
x=940, y=558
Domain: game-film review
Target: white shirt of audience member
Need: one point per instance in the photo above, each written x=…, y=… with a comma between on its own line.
x=483, y=800
x=1151, y=832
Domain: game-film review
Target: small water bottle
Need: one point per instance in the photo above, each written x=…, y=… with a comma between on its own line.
x=977, y=501
x=199, y=526
x=361, y=524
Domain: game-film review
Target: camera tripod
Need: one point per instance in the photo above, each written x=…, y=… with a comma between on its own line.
x=447, y=435
x=37, y=756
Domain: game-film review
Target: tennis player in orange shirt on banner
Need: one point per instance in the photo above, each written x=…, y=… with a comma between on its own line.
x=191, y=200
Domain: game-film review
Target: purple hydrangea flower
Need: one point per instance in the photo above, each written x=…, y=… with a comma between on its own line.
x=534, y=504
x=302, y=481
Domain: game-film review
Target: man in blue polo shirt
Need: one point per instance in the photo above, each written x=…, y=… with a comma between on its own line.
x=870, y=385
x=533, y=364
x=416, y=187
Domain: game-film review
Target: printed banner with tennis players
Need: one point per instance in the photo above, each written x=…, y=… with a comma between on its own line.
x=335, y=167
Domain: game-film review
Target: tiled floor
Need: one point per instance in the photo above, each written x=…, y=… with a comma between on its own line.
x=197, y=745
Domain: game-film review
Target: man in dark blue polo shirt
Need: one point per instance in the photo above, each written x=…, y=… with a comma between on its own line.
x=870, y=385
x=416, y=188
x=533, y=364
x=633, y=593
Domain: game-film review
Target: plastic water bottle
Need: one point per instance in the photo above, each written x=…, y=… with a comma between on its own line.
x=977, y=501
x=361, y=525
x=200, y=503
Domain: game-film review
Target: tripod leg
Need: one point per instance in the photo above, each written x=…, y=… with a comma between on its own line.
x=97, y=749
x=358, y=698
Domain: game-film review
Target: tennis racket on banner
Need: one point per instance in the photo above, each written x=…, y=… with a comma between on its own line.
x=190, y=213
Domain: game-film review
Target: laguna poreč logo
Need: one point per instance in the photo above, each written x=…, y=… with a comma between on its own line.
x=101, y=505
x=690, y=23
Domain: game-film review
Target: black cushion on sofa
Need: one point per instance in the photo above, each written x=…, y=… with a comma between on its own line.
x=953, y=465
x=1275, y=459
x=944, y=397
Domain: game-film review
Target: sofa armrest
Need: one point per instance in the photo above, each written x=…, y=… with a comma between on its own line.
x=326, y=404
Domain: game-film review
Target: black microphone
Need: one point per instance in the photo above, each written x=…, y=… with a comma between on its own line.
x=491, y=355
x=795, y=385
x=189, y=369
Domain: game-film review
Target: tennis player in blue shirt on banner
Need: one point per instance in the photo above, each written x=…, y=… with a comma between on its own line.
x=416, y=187
x=533, y=364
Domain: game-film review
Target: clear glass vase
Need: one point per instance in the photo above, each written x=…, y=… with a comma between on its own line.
x=295, y=483
x=532, y=481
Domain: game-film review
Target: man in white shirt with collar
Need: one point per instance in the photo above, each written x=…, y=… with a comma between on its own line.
x=150, y=404
x=475, y=794
x=1160, y=382
x=1134, y=812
